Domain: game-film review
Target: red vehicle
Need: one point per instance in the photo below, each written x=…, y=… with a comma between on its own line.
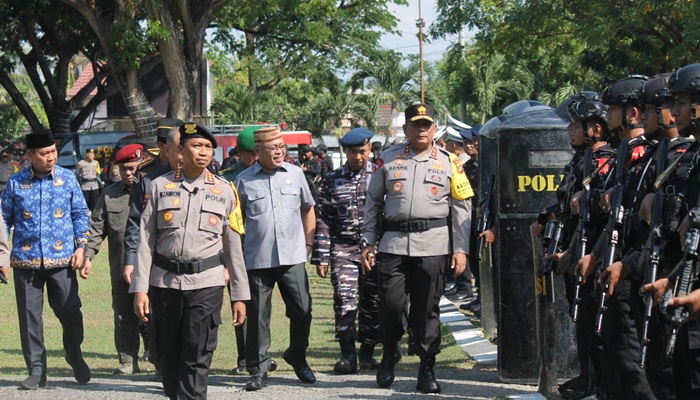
x=226, y=139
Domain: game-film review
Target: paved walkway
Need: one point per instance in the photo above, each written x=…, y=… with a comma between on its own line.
x=457, y=384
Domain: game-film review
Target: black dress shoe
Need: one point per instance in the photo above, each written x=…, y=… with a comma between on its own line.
x=273, y=365
x=256, y=382
x=302, y=370
x=33, y=382
x=81, y=372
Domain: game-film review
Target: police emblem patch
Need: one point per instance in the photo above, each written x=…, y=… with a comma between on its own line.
x=176, y=202
x=434, y=190
x=58, y=181
x=436, y=178
x=397, y=174
x=397, y=187
x=58, y=245
x=26, y=246
x=168, y=216
x=58, y=213
x=213, y=220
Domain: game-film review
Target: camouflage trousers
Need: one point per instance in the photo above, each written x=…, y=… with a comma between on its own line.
x=354, y=295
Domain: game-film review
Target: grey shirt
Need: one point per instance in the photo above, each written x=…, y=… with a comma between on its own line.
x=272, y=205
x=188, y=220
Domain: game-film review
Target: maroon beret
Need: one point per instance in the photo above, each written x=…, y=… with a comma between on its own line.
x=129, y=153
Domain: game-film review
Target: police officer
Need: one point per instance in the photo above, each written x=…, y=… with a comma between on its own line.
x=189, y=234
x=109, y=221
x=419, y=187
x=164, y=126
x=47, y=195
x=619, y=331
x=325, y=160
x=88, y=173
x=168, y=140
x=337, y=243
x=683, y=85
x=7, y=167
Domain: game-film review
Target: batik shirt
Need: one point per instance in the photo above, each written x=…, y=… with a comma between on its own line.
x=49, y=215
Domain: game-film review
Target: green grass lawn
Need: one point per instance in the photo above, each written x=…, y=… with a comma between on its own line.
x=98, y=347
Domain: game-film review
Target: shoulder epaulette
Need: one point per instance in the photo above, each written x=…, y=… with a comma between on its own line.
x=146, y=163
x=225, y=171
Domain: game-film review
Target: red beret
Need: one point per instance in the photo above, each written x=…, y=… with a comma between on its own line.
x=129, y=153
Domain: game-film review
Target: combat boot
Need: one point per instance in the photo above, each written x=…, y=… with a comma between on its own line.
x=426, y=377
x=365, y=356
x=385, y=372
x=348, y=363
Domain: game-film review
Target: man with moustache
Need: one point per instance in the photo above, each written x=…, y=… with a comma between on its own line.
x=280, y=224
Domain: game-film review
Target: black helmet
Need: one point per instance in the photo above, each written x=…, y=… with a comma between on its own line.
x=322, y=147
x=587, y=105
x=624, y=92
x=685, y=79
x=654, y=92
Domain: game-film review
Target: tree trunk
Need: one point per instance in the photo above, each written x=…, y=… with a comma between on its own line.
x=20, y=101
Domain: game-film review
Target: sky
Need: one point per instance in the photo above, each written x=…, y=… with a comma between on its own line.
x=408, y=42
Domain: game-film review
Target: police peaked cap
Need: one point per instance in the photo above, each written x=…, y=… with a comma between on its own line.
x=193, y=130
x=356, y=137
x=165, y=125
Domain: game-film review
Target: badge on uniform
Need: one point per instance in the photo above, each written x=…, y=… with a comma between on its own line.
x=58, y=245
x=170, y=185
x=289, y=182
x=26, y=246
x=25, y=185
x=213, y=221
x=397, y=187
x=397, y=174
x=399, y=162
x=58, y=181
x=27, y=214
x=436, y=178
x=216, y=190
x=176, y=202
x=168, y=216
x=58, y=213
x=434, y=190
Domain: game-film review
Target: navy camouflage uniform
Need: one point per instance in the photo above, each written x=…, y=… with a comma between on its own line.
x=337, y=238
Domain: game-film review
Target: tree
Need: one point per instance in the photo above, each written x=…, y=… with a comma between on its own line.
x=43, y=37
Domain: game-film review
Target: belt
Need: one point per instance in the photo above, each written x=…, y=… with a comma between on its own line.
x=90, y=180
x=189, y=267
x=414, y=225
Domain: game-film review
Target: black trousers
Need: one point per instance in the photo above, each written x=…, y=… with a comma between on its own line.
x=621, y=341
x=422, y=279
x=126, y=325
x=186, y=325
x=294, y=287
x=686, y=361
x=91, y=197
x=62, y=287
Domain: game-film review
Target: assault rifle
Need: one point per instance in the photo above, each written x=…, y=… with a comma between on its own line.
x=614, y=227
x=657, y=230
x=584, y=219
x=484, y=221
x=687, y=276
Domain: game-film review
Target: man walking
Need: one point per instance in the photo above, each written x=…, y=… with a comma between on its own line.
x=49, y=215
x=280, y=223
